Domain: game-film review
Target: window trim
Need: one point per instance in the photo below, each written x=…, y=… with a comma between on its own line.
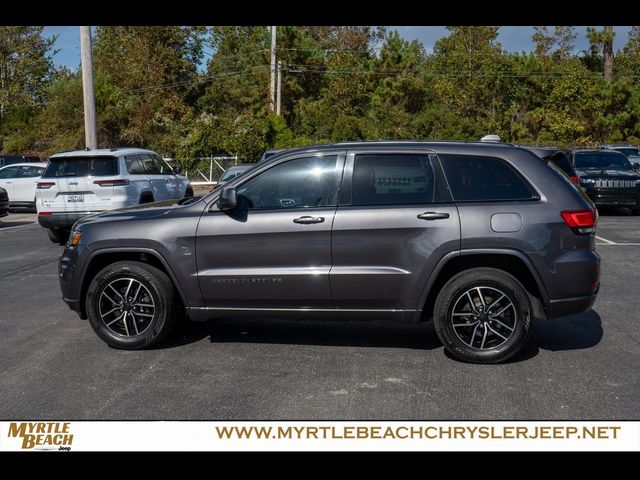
x=535, y=195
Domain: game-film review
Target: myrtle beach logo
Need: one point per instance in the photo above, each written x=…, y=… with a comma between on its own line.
x=42, y=435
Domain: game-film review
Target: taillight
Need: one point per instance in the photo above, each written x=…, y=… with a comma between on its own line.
x=113, y=183
x=44, y=214
x=580, y=221
x=44, y=185
x=575, y=179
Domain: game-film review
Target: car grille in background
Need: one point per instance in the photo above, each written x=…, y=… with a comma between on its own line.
x=615, y=183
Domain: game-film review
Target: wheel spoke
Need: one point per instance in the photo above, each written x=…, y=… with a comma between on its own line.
x=464, y=324
x=110, y=311
x=473, y=335
x=484, y=305
x=126, y=293
x=484, y=337
x=503, y=324
x=495, y=302
x=114, y=321
x=500, y=335
x=124, y=320
x=117, y=292
x=497, y=314
x=145, y=314
x=135, y=297
x=110, y=299
x=135, y=322
x=472, y=303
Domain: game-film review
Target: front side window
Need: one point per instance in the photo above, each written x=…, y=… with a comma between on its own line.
x=162, y=165
x=300, y=183
x=392, y=179
x=9, y=172
x=81, y=167
x=477, y=178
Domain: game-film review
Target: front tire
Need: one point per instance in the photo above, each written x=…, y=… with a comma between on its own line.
x=131, y=305
x=482, y=315
x=57, y=235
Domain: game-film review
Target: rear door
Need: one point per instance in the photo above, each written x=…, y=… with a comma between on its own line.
x=394, y=223
x=78, y=184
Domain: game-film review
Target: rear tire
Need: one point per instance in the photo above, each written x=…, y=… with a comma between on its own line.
x=482, y=315
x=131, y=305
x=635, y=211
x=58, y=235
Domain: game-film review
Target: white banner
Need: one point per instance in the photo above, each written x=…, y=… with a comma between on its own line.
x=318, y=435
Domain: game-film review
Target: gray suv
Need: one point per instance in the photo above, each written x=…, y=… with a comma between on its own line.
x=478, y=237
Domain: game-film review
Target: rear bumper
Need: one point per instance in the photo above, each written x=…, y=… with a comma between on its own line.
x=62, y=219
x=570, y=306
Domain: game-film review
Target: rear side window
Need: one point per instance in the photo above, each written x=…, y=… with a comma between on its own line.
x=392, y=179
x=81, y=167
x=150, y=165
x=134, y=165
x=29, y=171
x=475, y=178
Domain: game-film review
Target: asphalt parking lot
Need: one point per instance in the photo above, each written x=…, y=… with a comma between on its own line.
x=52, y=365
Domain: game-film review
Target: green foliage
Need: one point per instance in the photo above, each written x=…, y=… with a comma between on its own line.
x=338, y=83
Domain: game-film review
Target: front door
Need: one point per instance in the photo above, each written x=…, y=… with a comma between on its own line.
x=274, y=250
x=393, y=225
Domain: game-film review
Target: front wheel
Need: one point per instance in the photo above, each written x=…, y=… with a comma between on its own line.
x=131, y=305
x=58, y=235
x=482, y=315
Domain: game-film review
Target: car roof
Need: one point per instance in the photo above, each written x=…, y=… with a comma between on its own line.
x=593, y=150
x=619, y=145
x=102, y=152
x=27, y=164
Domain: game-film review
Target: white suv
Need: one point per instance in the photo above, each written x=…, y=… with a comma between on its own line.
x=82, y=182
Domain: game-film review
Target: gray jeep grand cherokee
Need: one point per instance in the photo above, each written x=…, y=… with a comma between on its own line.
x=479, y=237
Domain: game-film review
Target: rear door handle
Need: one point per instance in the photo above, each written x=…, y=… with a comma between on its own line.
x=305, y=220
x=433, y=216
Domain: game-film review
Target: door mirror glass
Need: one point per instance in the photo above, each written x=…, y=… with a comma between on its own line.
x=228, y=199
x=176, y=170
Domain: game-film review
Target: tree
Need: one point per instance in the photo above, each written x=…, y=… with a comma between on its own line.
x=25, y=69
x=601, y=41
x=559, y=44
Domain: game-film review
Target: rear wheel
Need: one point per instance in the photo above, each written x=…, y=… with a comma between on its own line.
x=131, y=305
x=58, y=235
x=482, y=315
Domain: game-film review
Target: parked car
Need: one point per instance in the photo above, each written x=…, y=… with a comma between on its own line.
x=12, y=159
x=631, y=152
x=4, y=202
x=233, y=172
x=80, y=183
x=269, y=153
x=608, y=178
x=558, y=158
x=479, y=237
x=20, y=181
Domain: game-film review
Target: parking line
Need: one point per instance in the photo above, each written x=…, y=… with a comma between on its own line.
x=17, y=226
x=619, y=244
x=605, y=240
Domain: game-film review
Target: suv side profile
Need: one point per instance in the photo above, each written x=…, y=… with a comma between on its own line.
x=480, y=238
x=80, y=183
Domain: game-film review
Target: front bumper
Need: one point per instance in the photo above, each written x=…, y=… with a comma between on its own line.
x=614, y=198
x=62, y=219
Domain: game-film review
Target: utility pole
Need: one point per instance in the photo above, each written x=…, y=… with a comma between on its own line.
x=272, y=98
x=279, y=95
x=608, y=53
x=90, y=137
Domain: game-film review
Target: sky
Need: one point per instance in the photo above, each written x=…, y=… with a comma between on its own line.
x=513, y=39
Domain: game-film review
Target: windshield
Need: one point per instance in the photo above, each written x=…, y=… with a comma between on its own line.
x=629, y=152
x=233, y=173
x=81, y=167
x=602, y=161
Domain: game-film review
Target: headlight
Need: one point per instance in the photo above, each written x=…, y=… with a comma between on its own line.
x=587, y=181
x=74, y=238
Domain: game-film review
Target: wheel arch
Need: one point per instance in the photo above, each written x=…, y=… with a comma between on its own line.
x=103, y=257
x=513, y=262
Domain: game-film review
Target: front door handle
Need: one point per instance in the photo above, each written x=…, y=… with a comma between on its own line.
x=433, y=215
x=306, y=219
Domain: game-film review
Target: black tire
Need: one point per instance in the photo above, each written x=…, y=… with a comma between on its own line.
x=146, y=198
x=158, y=287
x=58, y=235
x=492, y=283
x=188, y=193
x=635, y=211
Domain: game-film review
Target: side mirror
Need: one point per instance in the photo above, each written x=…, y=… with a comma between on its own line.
x=636, y=167
x=176, y=170
x=228, y=199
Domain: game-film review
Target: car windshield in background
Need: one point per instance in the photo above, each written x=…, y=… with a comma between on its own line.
x=231, y=174
x=81, y=167
x=602, y=161
x=629, y=152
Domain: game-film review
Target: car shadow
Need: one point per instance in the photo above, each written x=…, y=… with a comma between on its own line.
x=357, y=333
x=6, y=224
x=575, y=332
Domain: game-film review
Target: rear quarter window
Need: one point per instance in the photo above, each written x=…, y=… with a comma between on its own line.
x=81, y=167
x=479, y=178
